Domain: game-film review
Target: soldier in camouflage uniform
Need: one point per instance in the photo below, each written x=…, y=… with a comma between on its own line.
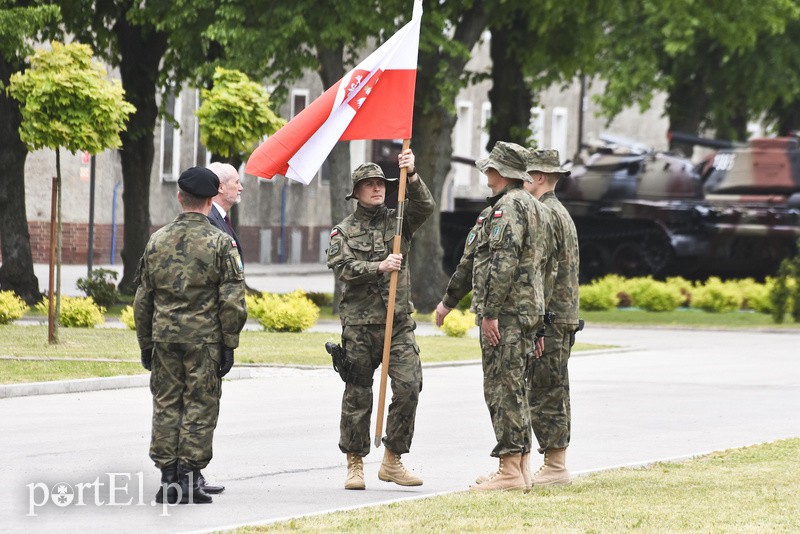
x=360, y=255
x=502, y=265
x=549, y=393
x=189, y=310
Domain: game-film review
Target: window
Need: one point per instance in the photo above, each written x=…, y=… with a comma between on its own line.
x=202, y=157
x=171, y=139
x=537, y=126
x=558, y=134
x=483, y=151
x=462, y=144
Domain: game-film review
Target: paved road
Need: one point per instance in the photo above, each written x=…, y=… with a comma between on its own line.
x=673, y=394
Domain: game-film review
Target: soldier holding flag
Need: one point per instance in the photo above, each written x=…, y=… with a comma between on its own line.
x=360, y=255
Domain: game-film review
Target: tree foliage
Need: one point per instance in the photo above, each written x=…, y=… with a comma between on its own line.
x=67, y=101
x=235, y=115
x=21, y=25
x=700, y=53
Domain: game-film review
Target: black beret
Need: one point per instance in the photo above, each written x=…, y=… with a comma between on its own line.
x=200, y=182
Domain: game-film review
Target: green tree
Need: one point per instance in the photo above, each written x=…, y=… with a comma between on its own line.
x=156, y=45
x=235, y=115
x=68, y=102
x=293, y=37
x=20, y=25
x=694, y=52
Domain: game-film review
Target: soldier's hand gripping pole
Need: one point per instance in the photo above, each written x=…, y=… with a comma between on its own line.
x=387, y=336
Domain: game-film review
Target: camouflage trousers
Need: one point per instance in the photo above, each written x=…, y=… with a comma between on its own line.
x=549, y=391
x=364, y=345
x=186, y=392
x=505, y=388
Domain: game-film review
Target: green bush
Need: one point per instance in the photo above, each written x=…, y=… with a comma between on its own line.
x=127, y=317
x=755, y=296
x=79, y=312
x=457, y=323
x=652, y=295
x=11, y=307
x=716, y=296
x=683, y=286
x=100, y=286
x=600, y=295
x=289, y=312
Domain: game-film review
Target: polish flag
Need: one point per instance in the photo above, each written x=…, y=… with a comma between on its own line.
x=375, y=100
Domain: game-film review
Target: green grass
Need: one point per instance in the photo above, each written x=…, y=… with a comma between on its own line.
x=256, y=347
x=753, y=489
x=687, y=317
x=21, y=371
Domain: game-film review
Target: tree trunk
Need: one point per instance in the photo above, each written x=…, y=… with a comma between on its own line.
x=331, y=71
x=510, y=96
x=16, y=271
x=438, y=82
x=141, y=53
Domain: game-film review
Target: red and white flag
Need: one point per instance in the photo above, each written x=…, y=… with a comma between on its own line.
x=375, y=100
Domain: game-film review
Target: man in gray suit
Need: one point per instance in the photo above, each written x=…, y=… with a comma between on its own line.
x=230, y=194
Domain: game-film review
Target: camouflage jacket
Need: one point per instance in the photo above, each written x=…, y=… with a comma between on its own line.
x=191, y=286
x=562, y=297
x=461, y=282
x=364, y=239
x=507, y=265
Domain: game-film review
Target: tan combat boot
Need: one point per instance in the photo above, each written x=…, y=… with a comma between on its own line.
x=393, y=470
x=526, y=473
x=526, y=470
x=553, y=471
x=355, y=473
x=507, y=477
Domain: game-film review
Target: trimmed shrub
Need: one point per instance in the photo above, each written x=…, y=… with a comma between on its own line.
x=755, y=296
x=11, y=307
x=457, y=323
x=100, y=286
x=683, y=286
x=127, y=317
x=600, y=295
x=655, y=296
x=288, y=312
x=81, y=312
x=716, y=296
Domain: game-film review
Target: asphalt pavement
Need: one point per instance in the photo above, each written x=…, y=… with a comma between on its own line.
x=78, y=461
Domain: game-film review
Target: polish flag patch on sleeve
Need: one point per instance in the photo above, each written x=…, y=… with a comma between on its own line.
x=497, y=214
x=334, y=232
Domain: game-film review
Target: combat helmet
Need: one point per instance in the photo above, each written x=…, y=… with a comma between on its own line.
x=546, y=161
x=364, y=171
x=509, y=159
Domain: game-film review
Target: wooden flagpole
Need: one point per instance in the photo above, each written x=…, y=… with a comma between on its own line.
x=387, y=336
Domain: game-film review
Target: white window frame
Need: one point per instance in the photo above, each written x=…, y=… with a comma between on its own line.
x=197, y=143
x=462, y=143
x=171, y=175
x=558, y=131
x=537, y=126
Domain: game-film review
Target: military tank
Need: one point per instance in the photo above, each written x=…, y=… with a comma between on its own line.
x=639, y=211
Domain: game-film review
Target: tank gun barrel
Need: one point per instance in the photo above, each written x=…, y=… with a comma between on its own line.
x=683, y=137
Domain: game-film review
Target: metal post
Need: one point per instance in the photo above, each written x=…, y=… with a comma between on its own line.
x=90, y=253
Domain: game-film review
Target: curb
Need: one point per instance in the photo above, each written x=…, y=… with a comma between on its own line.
x=240, y=372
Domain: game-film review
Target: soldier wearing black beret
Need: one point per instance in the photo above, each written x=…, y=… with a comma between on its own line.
x=189, y=310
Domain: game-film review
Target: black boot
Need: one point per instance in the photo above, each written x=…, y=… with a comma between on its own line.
x=169, y=480
x=211, y=489
x=190, y=490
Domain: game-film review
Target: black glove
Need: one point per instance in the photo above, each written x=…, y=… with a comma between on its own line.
x=147, y=358
x=227, y=361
